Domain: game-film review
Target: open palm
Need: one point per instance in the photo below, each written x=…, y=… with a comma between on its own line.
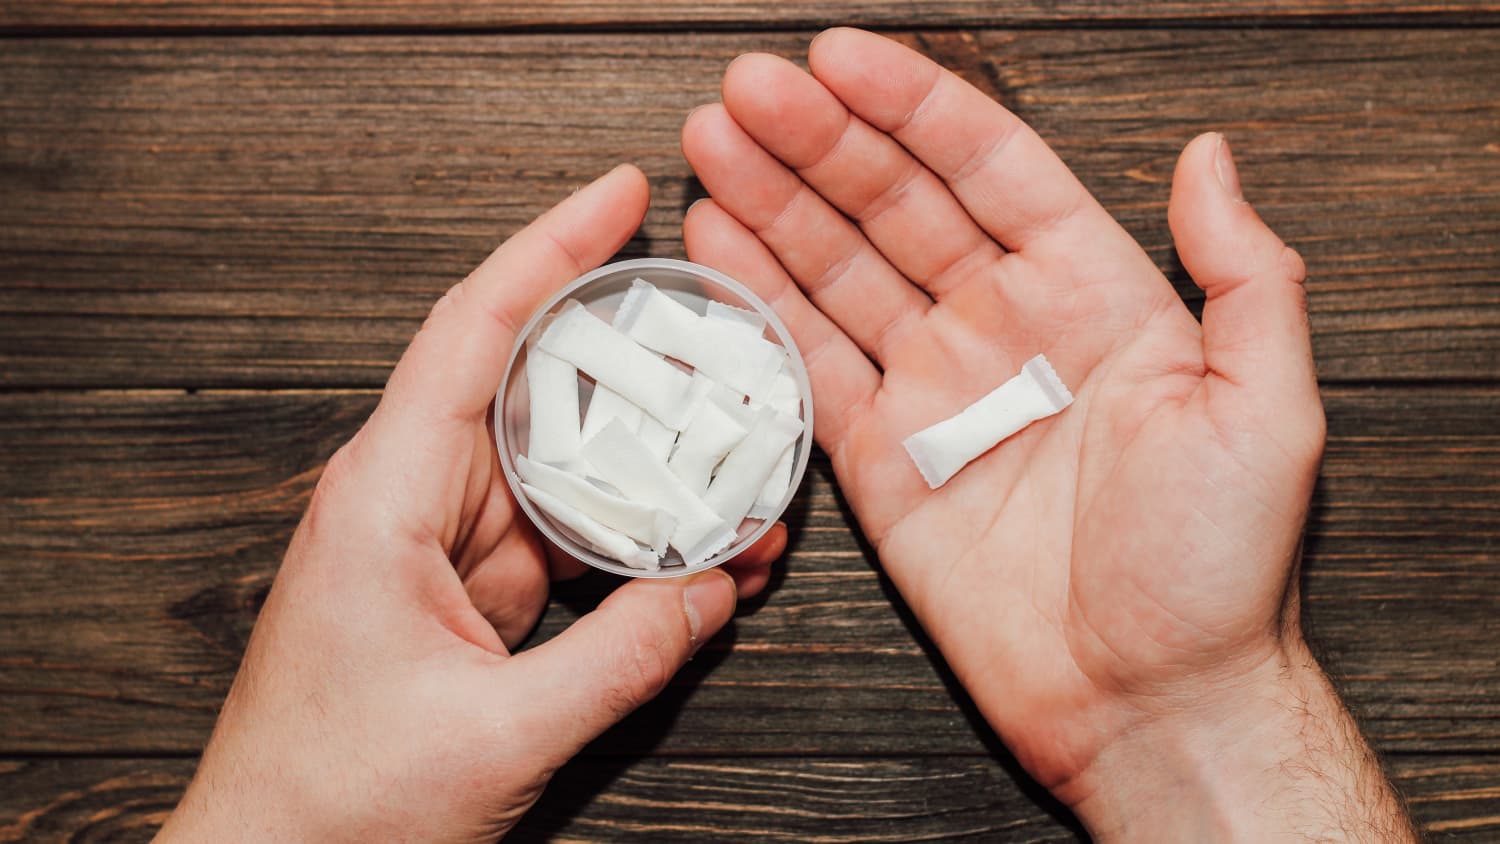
x=921, y=242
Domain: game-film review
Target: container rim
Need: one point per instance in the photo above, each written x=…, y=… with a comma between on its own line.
x=703, y=273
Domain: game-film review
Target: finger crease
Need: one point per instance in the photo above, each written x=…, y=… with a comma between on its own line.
x=834, y=148
x=811, y=356
x=785, y=211
x=937, y=281
x=1054, y=222
x=887, y=333
x=911, y=116
x=890, y=196
x=565, y=249
x=984, y=154
x=487, y=307
x=832, y=274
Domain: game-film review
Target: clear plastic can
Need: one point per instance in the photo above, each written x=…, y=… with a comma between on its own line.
x=601, y=291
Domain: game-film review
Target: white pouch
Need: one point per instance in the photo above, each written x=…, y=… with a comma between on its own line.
x=783, y=395
x=617, y=362
x=703, y=443
x=622, y=460
x=744, y=471
x=552, y=384
x=610, y=543
x=776, y=485
x=733, y=404
x=740, y=316
x=606, y=404
x=657, y=438
x=786, y=398
x=645, y=524
x=942, y=449
x=718, y=348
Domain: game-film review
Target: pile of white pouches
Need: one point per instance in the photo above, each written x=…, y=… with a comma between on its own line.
x=663, y=457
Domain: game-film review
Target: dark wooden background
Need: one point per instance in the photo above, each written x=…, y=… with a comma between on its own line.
x=220, y=224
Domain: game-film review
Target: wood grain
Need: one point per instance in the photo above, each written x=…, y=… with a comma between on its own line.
x=262, y=212
x=814, y=799
x=73, y=15
x=141, y=531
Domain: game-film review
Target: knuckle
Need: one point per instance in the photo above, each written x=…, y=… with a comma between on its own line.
x=1316, y=436
x=1302, y=438
x=645, y=666
x=650, y=667
x=1293, y=268
x=445, y=302
x=337, y=474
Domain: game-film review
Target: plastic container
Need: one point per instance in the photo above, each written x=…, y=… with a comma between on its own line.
x=601, y=291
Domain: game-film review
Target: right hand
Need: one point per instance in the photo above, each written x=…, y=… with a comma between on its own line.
x=1115, y=586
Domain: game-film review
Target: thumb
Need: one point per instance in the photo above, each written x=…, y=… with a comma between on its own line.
x=618, y=657
x=1255, y=329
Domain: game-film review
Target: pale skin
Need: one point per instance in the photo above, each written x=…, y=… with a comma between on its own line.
x=1115, y=586
x=379, y=699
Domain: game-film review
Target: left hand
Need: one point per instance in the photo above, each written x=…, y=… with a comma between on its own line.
x=1116, y=585
x=379, y=698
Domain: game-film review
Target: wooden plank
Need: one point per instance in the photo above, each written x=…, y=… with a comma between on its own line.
x=141, y=531
x=76, y=15
x=282, y=211
x=653, y=799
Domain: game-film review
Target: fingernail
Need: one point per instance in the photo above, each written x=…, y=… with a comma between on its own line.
x=708, y=601
x=1229, y=176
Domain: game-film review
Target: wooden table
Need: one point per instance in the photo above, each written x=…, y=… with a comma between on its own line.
x=220, y=225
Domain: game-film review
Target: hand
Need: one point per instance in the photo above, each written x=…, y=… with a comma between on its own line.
x=1116, y=585
x=379, y=698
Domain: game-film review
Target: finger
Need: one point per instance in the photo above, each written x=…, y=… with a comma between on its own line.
x=616, y=658
x=428, y=435
x=751, y=570
x=454, y=365
x=563, y=566
x=1003, y=172
x=766, y=550
x=844, y=382
x=1255, y=329
x=905, y=210
x=509, y=586
x=844, y=275
x=749, y=582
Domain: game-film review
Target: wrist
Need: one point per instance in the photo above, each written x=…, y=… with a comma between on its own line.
x=1272, y=755
x=194, y=820
x=232, y=798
